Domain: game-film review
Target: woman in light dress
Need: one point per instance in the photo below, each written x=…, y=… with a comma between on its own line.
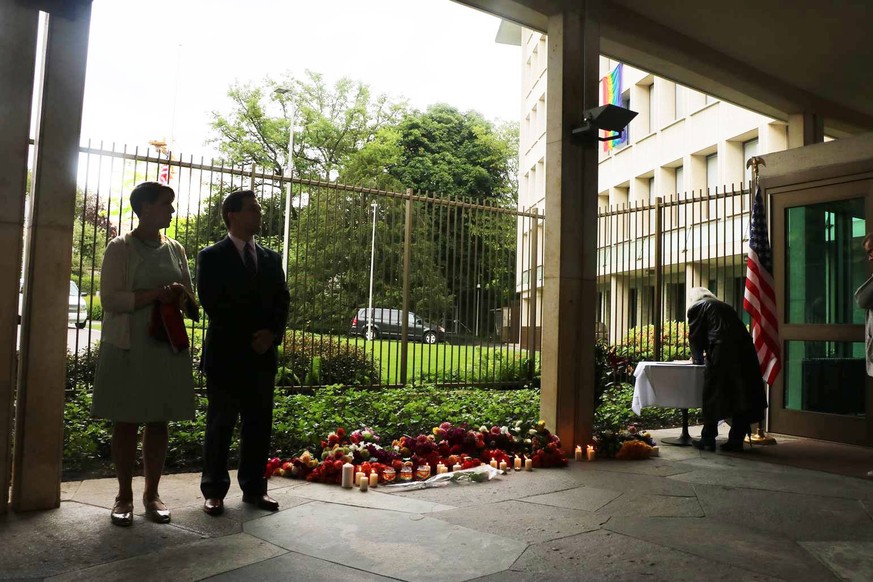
x=141, y=380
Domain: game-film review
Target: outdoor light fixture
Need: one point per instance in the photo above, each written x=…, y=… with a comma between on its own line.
x=605, y=117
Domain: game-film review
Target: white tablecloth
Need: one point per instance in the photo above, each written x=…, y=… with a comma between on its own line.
x=667, y=384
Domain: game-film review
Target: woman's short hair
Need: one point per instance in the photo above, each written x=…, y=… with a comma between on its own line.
x=234, y=203
x=148, y=192
x=698, y=293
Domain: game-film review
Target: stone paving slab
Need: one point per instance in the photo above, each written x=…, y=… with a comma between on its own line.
x=790, y=515
x=235, y=514
x=526, y=522
x=517, y=485
x=377, y=498
x=851, y=561
x=294, y=566
x=642, y=505
x=590, y=476
x=75, y=536
x=655, y=466
x=791, y=481
x=607, y=556
x=181, y=563
x=389, y=543
x=725, y=543
x=585, y=498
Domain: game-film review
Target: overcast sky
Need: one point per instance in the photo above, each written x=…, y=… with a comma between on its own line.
x=144, y=57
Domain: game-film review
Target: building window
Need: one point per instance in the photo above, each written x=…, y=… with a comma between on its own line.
x=680, y=180
x=653, y=124
x=712, y=173
x=632, y=308
x=750, y=149
x=679, y=95
x=652, y=188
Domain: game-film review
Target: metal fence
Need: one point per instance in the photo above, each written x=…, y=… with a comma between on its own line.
x=450, y=266
x=650, y=254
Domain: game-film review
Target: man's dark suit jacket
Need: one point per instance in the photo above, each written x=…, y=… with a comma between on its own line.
x=238, y=306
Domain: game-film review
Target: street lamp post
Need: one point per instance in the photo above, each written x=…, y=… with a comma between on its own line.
x=372, y=262
x=288, y=190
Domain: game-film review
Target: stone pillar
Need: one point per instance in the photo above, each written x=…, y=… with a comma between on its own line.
x=18, y=28
x=39, y=430
x=570, y=291
x=805, y=129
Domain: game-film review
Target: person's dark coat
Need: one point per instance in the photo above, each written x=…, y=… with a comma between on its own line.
x=733, y=385
x=238, y=306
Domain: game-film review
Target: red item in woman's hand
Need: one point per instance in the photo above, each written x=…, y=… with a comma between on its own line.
x=167, y=325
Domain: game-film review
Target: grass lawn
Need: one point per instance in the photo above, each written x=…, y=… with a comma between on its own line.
x=428, y=363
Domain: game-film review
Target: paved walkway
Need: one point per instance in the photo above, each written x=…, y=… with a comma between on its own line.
x=687, y=515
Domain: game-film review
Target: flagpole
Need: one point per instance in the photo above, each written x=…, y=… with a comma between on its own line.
x=760, y=437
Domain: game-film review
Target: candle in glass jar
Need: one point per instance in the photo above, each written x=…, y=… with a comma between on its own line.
x=578, y=452
x=591, y=453
x=516, y=463
x=503, y=465
x=358, y=477
x=365, y=483
x=374, y=479
x=528, y=464
x=422, y=472
x=347, y=475
x=456, y=467
x=388, y=474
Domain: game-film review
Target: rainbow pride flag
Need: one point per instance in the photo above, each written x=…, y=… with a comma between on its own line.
x=611, y=84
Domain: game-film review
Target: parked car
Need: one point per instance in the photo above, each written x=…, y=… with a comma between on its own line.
x=77, y=311
x=387, y=323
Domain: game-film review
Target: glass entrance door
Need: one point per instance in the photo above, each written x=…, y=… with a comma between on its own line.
x=823, y=390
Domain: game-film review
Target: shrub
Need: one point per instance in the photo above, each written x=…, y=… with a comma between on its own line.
x=95, y=307
x=81, y=368
x=615, y=412
x=302, y=420
x=494, y=365
x=306, y=360
x=639, y=343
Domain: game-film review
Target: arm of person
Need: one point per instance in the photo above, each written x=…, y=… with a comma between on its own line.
x=697, y=332
x=864, y=294
x=114, y=296
x=210, y=289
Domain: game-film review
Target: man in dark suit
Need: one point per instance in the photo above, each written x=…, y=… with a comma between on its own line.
x=243, y=290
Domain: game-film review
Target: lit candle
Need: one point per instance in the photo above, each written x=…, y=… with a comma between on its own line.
x=494, y=463
x=516, y=463
x=441, y=469
x=456, y=467
x=656, y=452
x=374, y=479
x=359, y=476
x=578, y=452
x=591, y=453
x=348, y=473
x=503, y=466
x=365, y=483
x=528, y=464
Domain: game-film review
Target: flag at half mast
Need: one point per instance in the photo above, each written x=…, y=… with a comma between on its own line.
x=759, y=299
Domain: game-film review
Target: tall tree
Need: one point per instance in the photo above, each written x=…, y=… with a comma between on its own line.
x=331, y=123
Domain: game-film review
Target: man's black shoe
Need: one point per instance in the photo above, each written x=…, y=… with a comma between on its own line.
x=731, y=447
x=262, y=502
x=704, y=445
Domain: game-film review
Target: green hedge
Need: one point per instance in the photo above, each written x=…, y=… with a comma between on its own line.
x=302, y=420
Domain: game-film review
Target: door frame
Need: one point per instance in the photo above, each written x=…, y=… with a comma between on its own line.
x=826, y=426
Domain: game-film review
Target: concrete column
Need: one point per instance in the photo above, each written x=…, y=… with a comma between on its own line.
x=18, y=29
x=618, y=315
x=805, y=129
x=570, y=292
x=39, y=430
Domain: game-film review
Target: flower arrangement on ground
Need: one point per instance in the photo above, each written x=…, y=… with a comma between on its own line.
x=448, y=444
x=629, y=443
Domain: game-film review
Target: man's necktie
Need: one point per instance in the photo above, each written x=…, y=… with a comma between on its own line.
x=249, y=259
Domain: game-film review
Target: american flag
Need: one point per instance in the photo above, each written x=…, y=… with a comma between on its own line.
x=164, y=174
x=760, y=299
